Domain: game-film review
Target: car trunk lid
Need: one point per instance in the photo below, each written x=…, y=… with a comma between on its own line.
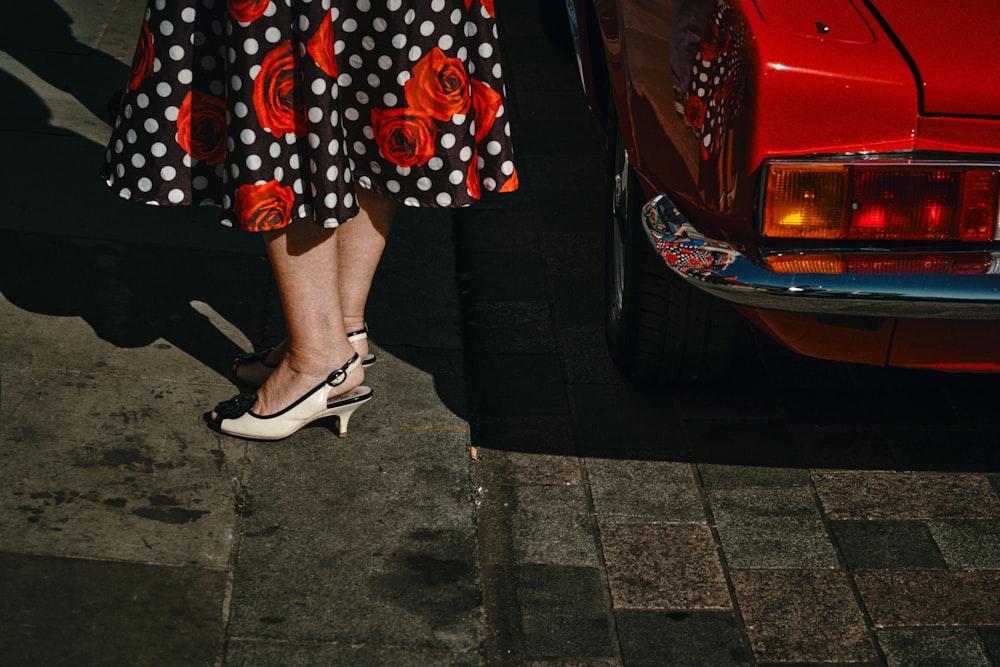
x=953, y=50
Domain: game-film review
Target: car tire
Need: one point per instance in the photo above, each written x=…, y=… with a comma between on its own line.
x=660, y=329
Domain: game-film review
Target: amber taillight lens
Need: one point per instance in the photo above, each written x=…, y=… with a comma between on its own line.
x=868, y=263
x=882, y=200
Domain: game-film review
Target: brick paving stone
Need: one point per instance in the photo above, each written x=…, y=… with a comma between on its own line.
x=832, y=446
x=644, y=491
x=511, y=327
x=720, y=476
x=939, y=598
x=991, y=640
x=699, y=639
x=850, y=494
x=611, y=420
x=968, y=545
x=900, y=545
x=584, y=357
x=806, y=616
x=551, y=525
x=777, y=543
x=561, y=612
x=666, y=567
x=745, y=441
x=932, y=647
x=519, y=384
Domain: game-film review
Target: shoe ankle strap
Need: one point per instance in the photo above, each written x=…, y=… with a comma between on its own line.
x=338, y=376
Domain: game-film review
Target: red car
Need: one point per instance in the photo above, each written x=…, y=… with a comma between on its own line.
x=828, y=169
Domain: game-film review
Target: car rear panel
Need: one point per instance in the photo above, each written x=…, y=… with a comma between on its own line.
x=953, y=48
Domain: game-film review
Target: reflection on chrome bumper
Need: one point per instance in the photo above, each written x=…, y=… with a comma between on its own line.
x=717, y=267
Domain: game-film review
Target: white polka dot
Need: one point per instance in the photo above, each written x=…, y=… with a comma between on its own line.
x=410, y=16
x=437, y=5
x=332, y=173
x=188, y=15
x=427, y=28
x=435, y=163
x=365, y=182
x=303, y=24
x=315, y=115
x=359, y=148
x=362, y=97
x=443, y=199
x=445, y=43
x=318, y=86
x=456, y=177
x=411, y=201
x=125, y=193
x=330, y=200
x=507, y=168
x=356, y=61
x=254, y=162
x=293, y=161
x=279, y=173
x=144, y=184
x=399, y=41
x=447, y=140
x=379, y=24
x=384, y=62
x=142, y=100
x=490, y=184
x=248, y=136
x=456, y=16
x=176, y=196
x=235, y=83
x=471, y=29
x=390, y=100
x=344, y=80
x=151, y=125
x=465, y=154
x=414, y=53
x=158, y=149
x=168, y=173
x=351, y=114
x=166, y=28
x=176, y=52
x=374, y=81
x=424, y=183
x=333, y=147
x=163, y=89
x=234, y=170
x=131, y=136
x=368, y=44
x=348, y=25
x=394, y=5
x=314, y=140
x=485, y=50
x=274, y=150
x=184, y=77
x=272, y=35
x=493, y=148
x=251, y=46
x=241, y=110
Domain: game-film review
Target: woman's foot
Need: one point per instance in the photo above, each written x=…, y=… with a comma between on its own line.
x=293, y=396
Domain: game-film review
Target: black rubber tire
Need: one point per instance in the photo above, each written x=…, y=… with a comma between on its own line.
x=660, y=329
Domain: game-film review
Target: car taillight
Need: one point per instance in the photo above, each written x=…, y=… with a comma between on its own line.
x=888, y=201
x=870, y=263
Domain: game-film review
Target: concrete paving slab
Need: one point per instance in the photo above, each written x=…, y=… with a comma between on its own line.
x=69, y=611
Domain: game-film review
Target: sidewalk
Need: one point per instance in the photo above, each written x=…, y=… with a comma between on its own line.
x=129, y=532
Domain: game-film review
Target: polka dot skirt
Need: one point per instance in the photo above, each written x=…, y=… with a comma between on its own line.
x=275, y=110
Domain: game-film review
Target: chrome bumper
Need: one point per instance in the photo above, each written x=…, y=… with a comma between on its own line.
x=717, y=267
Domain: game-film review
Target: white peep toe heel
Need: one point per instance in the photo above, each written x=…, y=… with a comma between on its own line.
x=236, y=416
x=253, y=370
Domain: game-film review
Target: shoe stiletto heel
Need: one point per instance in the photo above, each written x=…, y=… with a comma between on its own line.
x=236, y=417
x=252, y=369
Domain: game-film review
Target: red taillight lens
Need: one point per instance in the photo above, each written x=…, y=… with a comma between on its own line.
x=887, y=201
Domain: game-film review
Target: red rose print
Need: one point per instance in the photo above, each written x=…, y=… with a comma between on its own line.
x=142, y=62
x=485, y=105
x=439, y=86
x=472, y=179
x=277, y=93
x=511, y=184
x=715, y=42
x=694, y=112
x=263, y=206
x=247, y=11
x=201, y=127
x=320, y=48
x=404, y=137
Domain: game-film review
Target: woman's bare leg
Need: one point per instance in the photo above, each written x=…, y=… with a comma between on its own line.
x=360, y=243
x=304, y=258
